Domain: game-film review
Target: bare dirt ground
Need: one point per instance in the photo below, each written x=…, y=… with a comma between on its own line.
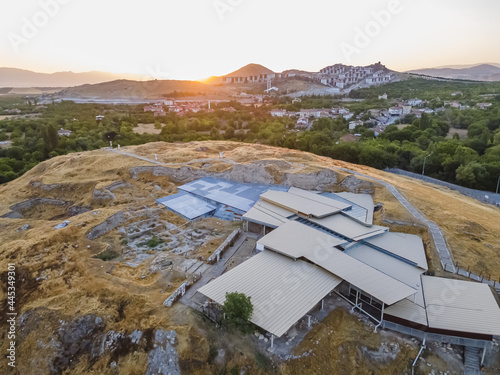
x=64, y=287
x=462, y=133
x=146, y=129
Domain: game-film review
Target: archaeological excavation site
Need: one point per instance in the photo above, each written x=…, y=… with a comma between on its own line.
x=125, y=260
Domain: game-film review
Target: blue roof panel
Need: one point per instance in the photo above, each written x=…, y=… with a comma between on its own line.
x=239, y=195
x=187, y=205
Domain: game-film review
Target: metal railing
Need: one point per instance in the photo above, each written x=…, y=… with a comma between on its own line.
x=446, y=339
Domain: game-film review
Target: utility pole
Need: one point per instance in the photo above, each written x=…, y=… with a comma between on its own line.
x=498, y=183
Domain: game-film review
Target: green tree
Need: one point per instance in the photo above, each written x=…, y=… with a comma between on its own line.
x=157, y=124
x=229, y=133
x=473, y=175
x=52, y=137
x=237, y=310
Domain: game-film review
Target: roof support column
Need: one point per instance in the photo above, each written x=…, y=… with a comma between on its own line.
x=357, y=299
x=272, y=341
x=309, y=321
x=381, y=317
x=322, y=304
x=484, y=354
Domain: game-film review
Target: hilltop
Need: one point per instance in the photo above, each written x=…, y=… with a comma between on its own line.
x=127, y=89
x=250, y=70
x=85, y=277
x=247, y=70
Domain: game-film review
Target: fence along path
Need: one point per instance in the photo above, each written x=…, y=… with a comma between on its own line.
x=482, y=196
x=437, y=236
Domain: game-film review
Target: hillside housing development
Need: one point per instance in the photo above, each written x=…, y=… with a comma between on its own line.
x=338, y=76
x=314, y=244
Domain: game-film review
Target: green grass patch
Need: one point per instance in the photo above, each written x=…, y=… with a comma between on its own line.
x=151, y=243
x=263, y=362
x=107, y=255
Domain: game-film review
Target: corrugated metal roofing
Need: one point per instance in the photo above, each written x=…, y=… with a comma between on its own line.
x=239, y=195
x=261, y=214
x=298, y=240
x=356, y=211
x=408, y=310
x=301, y=204
x=407, y=246
x=395, y=268
x=187, y=205
x=349, y=228
x=463, y=306
x=320, y=198
x=360, y=200
x=282, y=290
x=372, y=281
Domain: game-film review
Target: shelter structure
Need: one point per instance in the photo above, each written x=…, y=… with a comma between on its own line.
x=210, y=196
x=316, y=244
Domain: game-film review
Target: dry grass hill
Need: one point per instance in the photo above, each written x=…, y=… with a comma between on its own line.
x=80, y=311
x=127, y=89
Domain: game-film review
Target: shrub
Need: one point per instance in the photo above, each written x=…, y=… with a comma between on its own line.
x=107, y=255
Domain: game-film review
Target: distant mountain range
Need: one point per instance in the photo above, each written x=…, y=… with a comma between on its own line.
x=481, y=72
x=13, y=77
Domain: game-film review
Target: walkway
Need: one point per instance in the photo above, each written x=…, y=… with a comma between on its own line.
x=167, y=164
x=437, y=236
x=215, y=270
x=479, y=195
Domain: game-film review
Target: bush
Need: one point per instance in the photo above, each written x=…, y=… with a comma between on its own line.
x=107, y=255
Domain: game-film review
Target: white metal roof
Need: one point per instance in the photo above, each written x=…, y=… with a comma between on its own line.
x=463, y=306
x=408, y=310
x=370, y=280
x=301, y=204
x=297, y=240
x=261, y=215
x=282, y=290
x=395, y=268
x=362, y=205
x=319, y=198
x=407, y=246
x=267, y=214
x=348, y=227
x=363, y=200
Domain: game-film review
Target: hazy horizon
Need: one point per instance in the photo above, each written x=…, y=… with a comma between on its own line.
x=203, y=38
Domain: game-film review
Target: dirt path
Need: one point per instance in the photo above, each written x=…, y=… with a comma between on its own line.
x=169, y=164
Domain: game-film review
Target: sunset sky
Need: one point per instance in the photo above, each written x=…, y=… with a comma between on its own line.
x=193, y=39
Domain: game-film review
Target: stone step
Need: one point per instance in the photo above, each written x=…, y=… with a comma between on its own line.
x=203, y=268
x=187, y=264
x=471, y=361
x=195, y=266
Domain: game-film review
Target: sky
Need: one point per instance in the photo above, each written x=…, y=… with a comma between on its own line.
x=193, y=39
